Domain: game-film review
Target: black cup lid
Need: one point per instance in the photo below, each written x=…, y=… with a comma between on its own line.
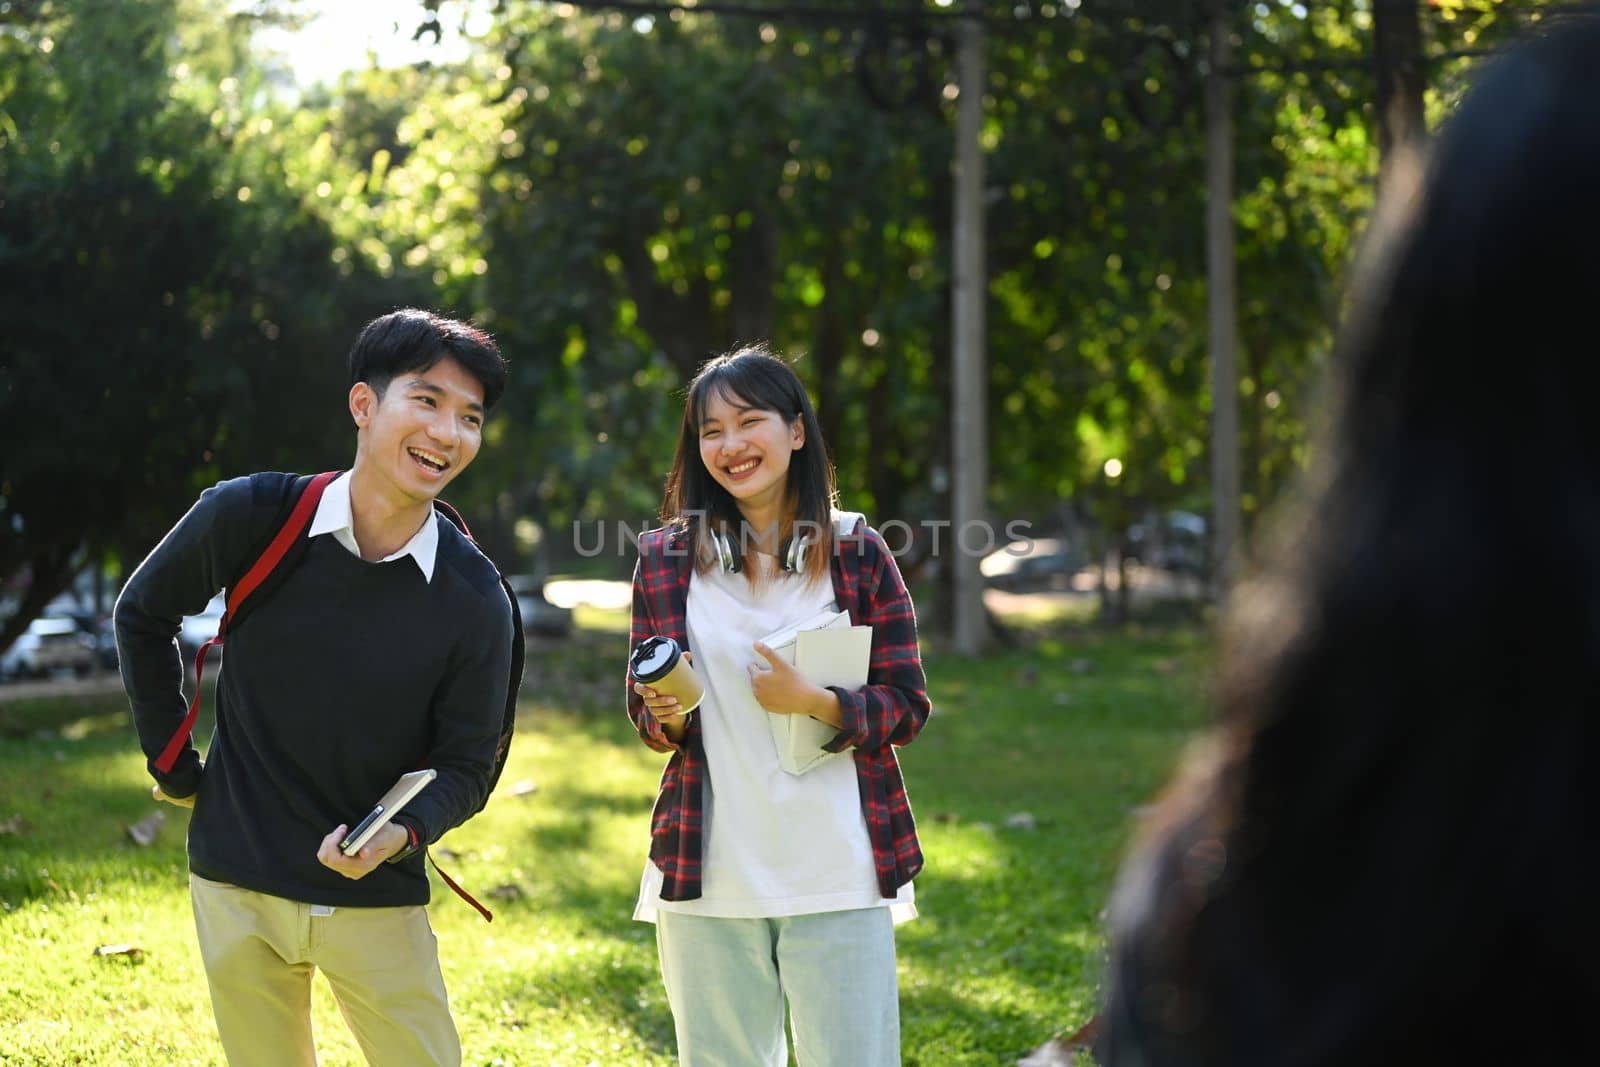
x=654, y=657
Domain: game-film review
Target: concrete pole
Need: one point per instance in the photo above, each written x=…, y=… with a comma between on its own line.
x=969, y=404
x=1221, y=305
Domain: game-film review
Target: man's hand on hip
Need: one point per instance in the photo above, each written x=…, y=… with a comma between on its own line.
x=182, y=802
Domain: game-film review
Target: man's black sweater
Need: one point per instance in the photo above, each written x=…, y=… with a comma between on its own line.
x=344, y=677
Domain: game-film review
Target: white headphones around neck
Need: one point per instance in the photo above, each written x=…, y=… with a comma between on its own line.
x=792, y=555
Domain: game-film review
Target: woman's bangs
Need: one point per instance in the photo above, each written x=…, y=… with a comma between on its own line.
x=740, y=386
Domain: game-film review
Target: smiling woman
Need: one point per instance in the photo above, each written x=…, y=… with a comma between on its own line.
x=789, y=885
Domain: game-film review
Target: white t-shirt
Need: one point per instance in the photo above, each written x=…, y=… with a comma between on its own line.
x=775, y=844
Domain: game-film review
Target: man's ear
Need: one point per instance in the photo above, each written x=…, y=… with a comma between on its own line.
x=363, y=403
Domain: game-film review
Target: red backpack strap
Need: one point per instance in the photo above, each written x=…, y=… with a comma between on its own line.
x=269, y=559
x=488, y=916
x=271, y=556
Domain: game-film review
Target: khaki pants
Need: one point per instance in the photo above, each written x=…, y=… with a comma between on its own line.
x=260, y=952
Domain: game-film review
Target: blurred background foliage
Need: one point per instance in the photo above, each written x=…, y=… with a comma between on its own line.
x=189, y=241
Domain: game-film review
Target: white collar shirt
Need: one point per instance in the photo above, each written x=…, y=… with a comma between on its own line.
x=333, y=517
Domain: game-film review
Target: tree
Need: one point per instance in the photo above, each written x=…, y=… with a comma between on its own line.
x=170, y=314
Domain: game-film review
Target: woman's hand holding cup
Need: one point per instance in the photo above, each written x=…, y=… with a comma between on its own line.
x=665, y=681
x=665, y=707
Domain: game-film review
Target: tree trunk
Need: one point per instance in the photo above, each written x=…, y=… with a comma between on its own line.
x=754, y=262
x=941, y=216
x=1124, y=594
x=1397, y=53
x=1222, y=310
x=51, y=571
x=1108, y=606
x=681, y=325
x=1253, y=439
x=829, y=352
x=969, y=401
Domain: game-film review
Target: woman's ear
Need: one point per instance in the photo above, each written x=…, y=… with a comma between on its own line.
x=797, y=433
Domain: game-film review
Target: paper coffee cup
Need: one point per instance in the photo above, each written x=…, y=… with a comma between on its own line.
x=658, y=662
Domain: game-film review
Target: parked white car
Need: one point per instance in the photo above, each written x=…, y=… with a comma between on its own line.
x=539, y=616
x=1033, y=564
x=49, y=644
x=196, y=630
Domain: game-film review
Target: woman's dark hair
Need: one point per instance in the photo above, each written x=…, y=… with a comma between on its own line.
x=751, y=376
x=411, y=339
x=1382, y=853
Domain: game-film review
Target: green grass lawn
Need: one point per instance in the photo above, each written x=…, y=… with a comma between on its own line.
x=1075, y=728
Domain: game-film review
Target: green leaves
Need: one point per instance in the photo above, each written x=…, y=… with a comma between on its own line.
x=170, y=310
x=190, y=250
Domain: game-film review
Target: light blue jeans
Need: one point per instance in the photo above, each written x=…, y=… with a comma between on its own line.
x=727, y=979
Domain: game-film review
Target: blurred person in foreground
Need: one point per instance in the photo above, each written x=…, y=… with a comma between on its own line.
x=1380, y=854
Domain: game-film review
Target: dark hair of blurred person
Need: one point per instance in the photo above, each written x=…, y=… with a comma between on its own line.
x=1381, y=854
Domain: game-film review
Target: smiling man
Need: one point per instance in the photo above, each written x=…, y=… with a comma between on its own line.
x=385, y=648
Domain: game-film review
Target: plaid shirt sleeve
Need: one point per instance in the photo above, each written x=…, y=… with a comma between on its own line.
x=893, y=706
x=677, y=825
x=642, y=626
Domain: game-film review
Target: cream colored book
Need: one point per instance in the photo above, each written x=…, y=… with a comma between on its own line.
x=829, y=652
x=399, y=795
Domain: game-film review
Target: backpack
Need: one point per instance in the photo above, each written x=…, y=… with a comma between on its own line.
x=275, y=563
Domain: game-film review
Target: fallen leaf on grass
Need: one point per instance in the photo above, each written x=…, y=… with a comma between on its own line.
x=1052, y=1053
x=16, y=825
x=524, y=788
x=144, y=831
x=131, y=951
x=509, y=891
x=1022, y=820
x=1063, y=1051
x=447, y=853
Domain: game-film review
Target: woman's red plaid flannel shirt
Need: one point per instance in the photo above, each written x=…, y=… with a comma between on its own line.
x=888, y=712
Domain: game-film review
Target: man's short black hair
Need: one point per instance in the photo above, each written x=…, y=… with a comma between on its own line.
x=414, y=340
